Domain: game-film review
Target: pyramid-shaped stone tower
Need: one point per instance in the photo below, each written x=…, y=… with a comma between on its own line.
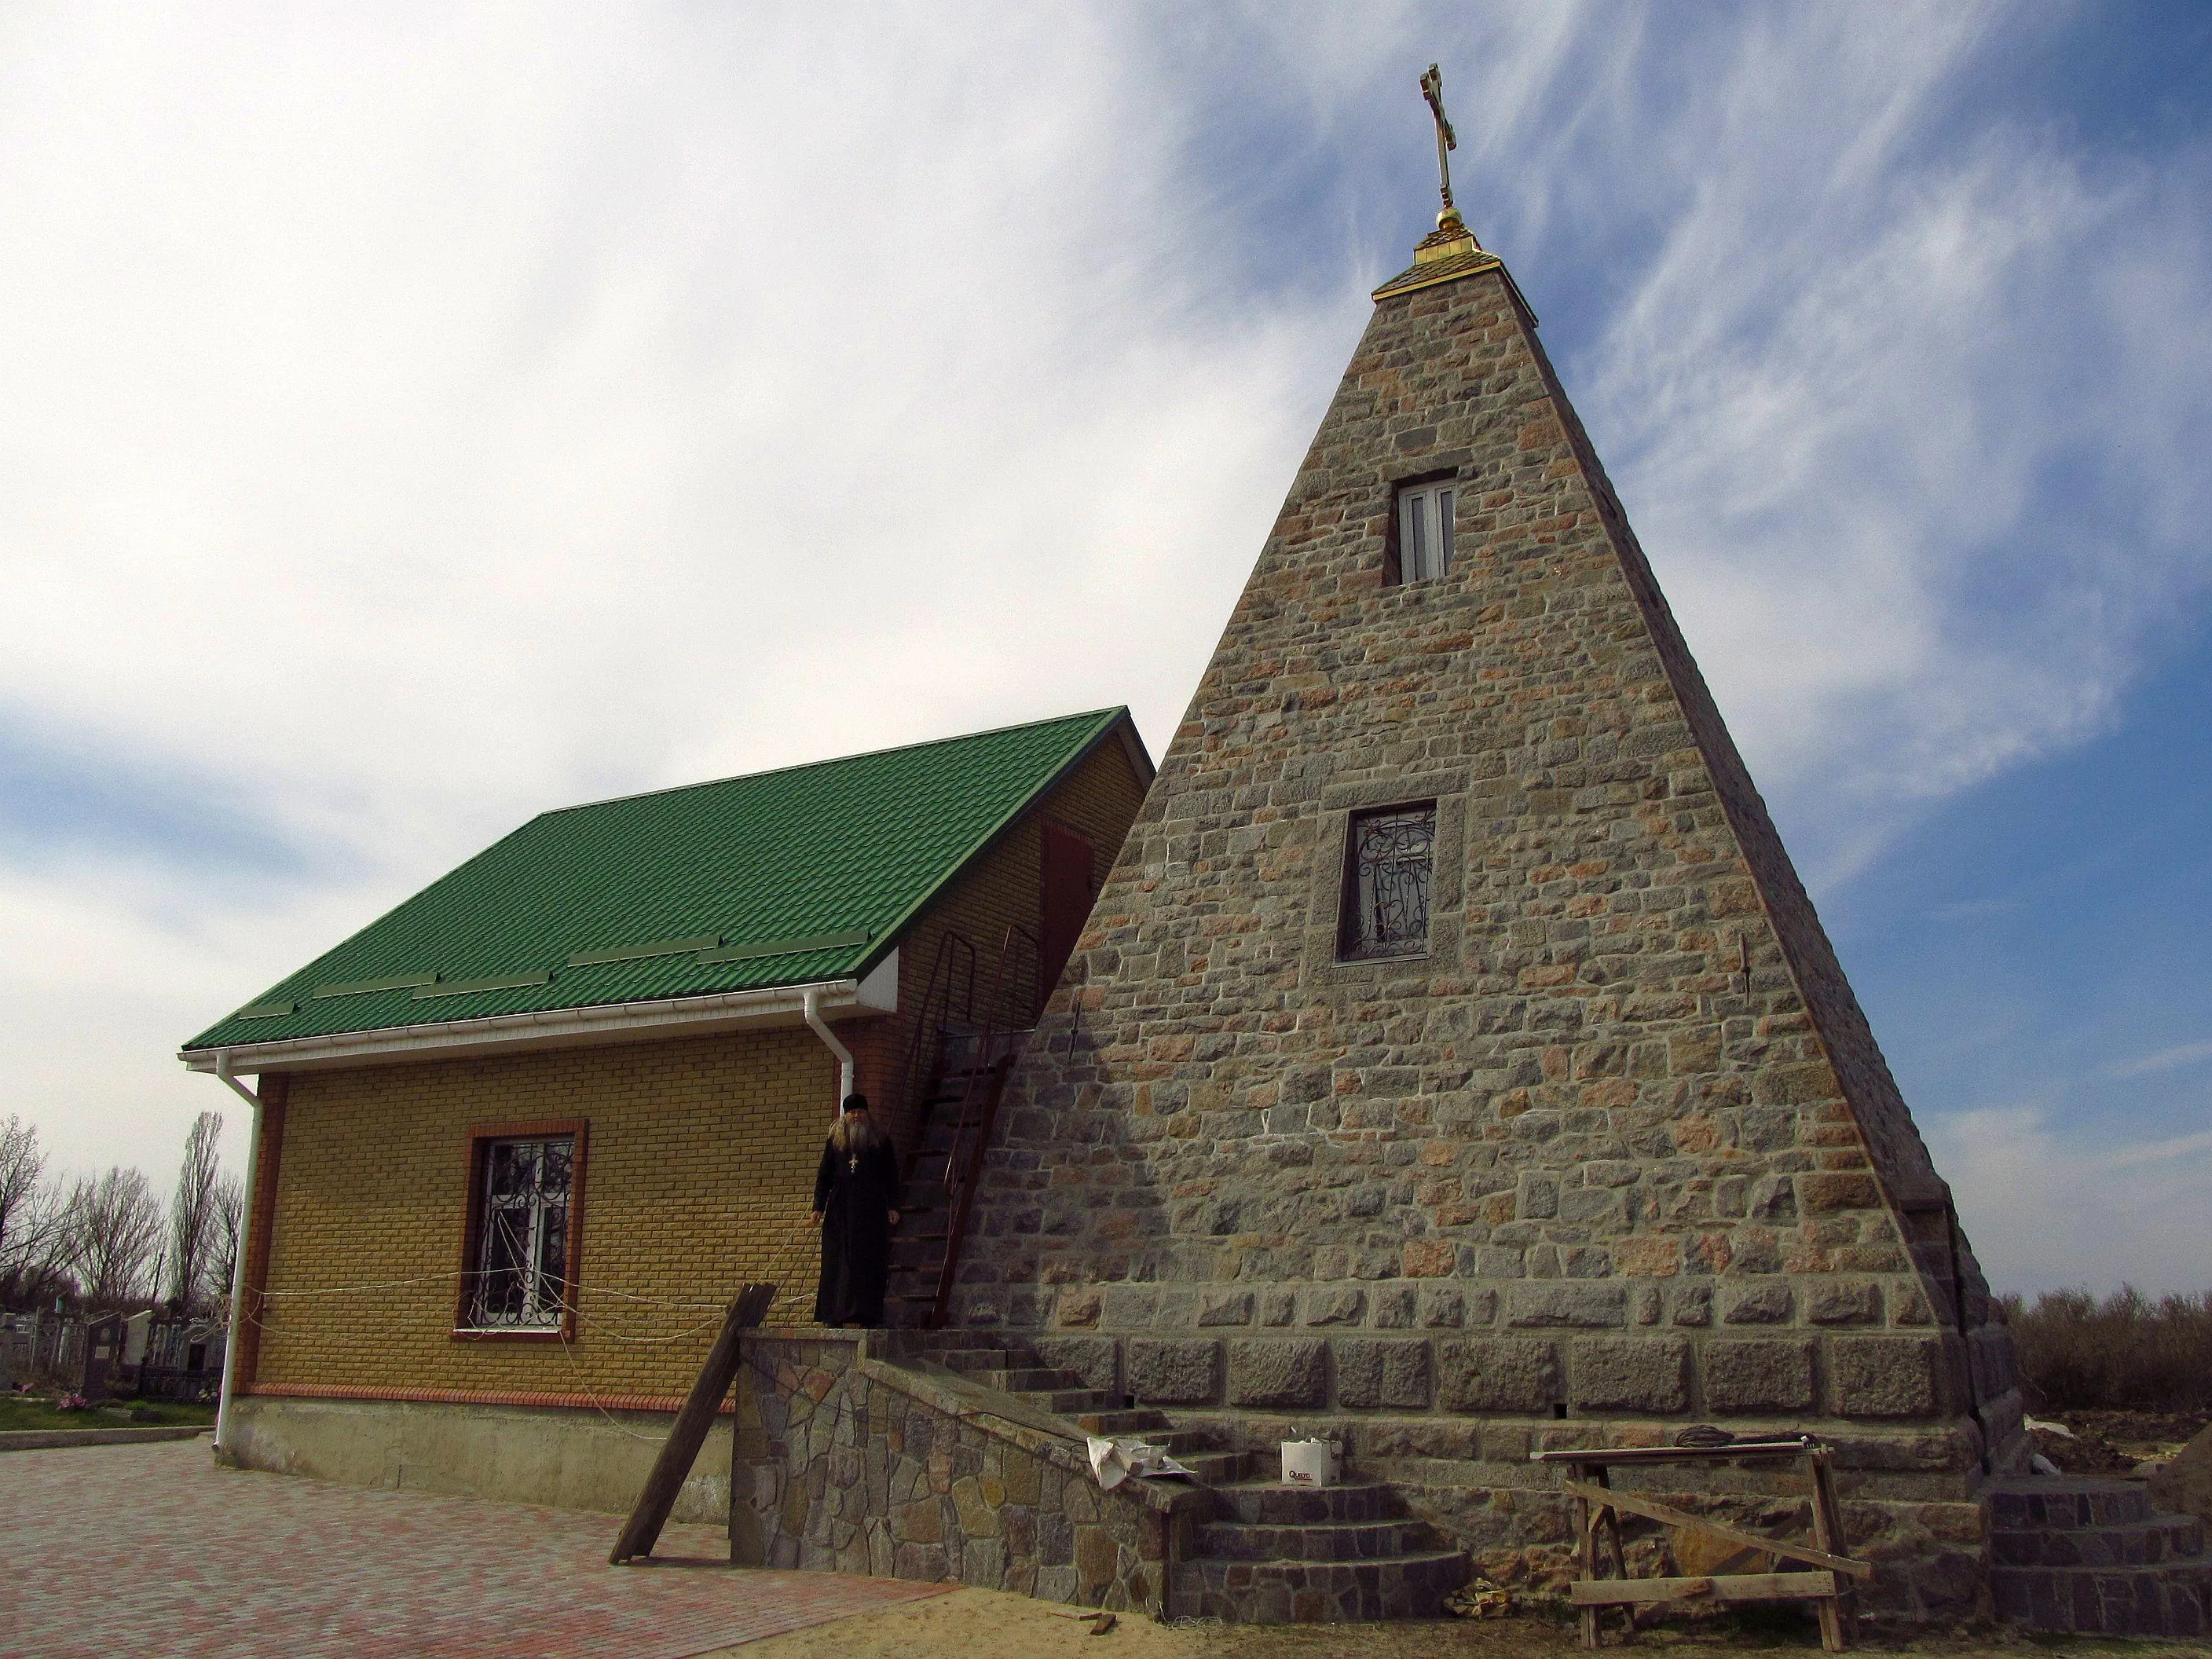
x=1454, y=1050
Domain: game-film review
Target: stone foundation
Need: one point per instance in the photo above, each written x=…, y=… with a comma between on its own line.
x=1450, y=1421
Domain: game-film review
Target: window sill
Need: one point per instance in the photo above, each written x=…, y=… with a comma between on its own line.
x=509, y=1334
x=1403, y=956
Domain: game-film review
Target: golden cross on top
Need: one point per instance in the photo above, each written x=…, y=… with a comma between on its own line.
x=1432, y=88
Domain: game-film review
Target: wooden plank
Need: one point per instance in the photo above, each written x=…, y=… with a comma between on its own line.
x=1586, y=1532
x=1721, y=1587
x=1600, y=1457
x=1839, y=1623
x=1652, y=1510
x=1612, y=1518
x=681, y=1449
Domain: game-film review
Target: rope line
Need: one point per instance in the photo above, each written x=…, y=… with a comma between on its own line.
x=787, y=1253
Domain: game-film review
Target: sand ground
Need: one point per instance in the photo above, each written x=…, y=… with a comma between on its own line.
x=990, y=1625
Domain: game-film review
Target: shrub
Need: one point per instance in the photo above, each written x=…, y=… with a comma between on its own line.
x=2124, y=1354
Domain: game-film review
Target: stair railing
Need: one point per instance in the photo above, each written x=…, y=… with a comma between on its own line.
x=985, y=1086
x=931, y=1017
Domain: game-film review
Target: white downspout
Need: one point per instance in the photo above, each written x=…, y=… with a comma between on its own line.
x=812, y=1003
x=231, y=1343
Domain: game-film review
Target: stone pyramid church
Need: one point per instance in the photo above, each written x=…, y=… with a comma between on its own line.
x=1453, y=1048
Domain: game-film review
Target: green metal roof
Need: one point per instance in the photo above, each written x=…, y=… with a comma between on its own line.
x=783, y=878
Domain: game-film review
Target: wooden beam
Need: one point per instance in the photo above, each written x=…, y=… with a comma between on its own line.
x=1721, y=1587
x=1652, y=1510
x=681, y=1449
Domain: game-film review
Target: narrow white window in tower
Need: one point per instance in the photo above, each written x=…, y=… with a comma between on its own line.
x=1425, y=529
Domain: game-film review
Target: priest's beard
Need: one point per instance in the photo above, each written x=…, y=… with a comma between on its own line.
x=856, y=1132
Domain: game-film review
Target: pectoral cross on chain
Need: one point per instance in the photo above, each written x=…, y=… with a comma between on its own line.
x=1432, y=88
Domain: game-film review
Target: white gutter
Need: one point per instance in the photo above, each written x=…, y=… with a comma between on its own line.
x=811, y=1004
x=234, y=1340
x=555, y=1027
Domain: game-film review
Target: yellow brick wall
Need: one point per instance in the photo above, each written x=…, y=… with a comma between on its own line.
x=700, y=1164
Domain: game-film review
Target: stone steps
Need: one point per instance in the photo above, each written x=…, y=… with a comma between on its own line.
x=1271, y=1503
x=1028, y=1379
x=1212, y=1467
x=2089, y=1557
x=2158, y=1542
x=1328, y=1540
x=1278, y=1554
x=1318, y=1592
x=1105, y=1414
x=1066, y=1402
x=1271, y=1554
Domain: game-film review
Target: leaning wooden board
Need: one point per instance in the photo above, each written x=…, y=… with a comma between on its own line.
x=681, y=1449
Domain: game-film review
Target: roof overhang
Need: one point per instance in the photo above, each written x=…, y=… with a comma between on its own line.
x=563, y=1028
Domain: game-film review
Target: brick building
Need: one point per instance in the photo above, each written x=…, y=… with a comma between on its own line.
x=521, y=1135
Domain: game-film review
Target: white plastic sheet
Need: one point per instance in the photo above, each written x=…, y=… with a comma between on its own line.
x=1113, y=1461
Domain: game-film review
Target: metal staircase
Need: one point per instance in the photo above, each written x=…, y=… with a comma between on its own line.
x=966, y=1080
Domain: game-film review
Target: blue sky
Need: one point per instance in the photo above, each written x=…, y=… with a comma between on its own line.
x=411, y=420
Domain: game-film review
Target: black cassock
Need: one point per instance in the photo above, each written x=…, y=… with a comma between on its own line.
x=855, y=1192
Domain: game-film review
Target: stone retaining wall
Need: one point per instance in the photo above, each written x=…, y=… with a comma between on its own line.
x=845, y=1463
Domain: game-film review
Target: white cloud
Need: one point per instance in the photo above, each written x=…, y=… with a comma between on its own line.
x=1905, y=415
x=415, y=423
x=411, y=420
x=2164, y=1060
x=2048, y=1208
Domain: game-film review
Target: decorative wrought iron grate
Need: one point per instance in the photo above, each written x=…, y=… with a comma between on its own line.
x=1388, y=865
x=522, y=1256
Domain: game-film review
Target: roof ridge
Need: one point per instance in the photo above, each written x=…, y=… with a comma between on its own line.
x=833, y=759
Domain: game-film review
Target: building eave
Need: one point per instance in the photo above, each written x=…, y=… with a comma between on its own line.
x=563, y=1028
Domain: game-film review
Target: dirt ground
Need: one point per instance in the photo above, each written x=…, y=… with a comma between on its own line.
x=2104, y=1444
x=990, y=1625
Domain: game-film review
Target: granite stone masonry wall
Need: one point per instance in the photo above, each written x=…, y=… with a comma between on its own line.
x=1617, y=1147
x=848, y=1464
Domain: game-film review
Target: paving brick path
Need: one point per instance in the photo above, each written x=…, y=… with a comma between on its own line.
x=149, y=1549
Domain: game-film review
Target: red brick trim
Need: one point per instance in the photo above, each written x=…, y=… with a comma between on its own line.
x=274, y=1089
x=472, y=1225
x=613, y=1402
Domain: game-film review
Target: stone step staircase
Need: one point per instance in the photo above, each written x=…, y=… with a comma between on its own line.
x=1282, y=1555
x=1270, y=1554
x=2089, y=1557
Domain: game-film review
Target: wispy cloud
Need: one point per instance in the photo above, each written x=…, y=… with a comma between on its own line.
x=415, y=420
x=2165, y=1060
x=2048, y=1207
x=1904, y=411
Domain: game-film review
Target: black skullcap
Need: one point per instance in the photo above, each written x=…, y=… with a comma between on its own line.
x=856, y=1103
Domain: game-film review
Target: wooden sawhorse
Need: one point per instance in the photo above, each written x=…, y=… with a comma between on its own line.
x=1599, y=1504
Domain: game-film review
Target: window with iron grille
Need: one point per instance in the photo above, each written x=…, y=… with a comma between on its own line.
x=1388, y=858
x=523, y=1201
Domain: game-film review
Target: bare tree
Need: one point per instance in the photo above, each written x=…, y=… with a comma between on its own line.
x=192, y=1214
x=31, y=1210
x=229, y=1231
x=114, y=1226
